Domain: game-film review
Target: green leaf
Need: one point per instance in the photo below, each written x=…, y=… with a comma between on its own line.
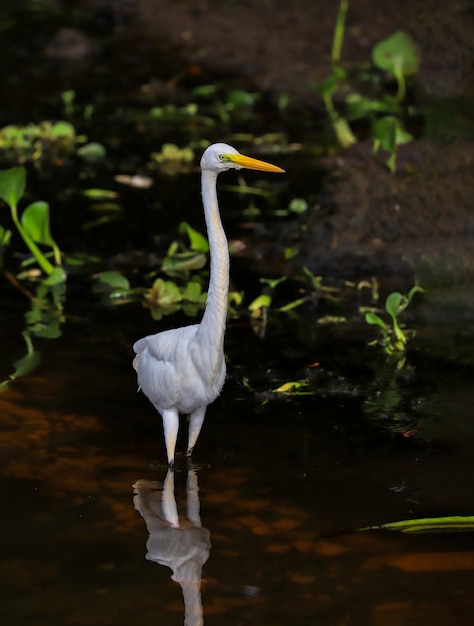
x=273, y=282
x=115, y=280
x=260, y=302
x=197, y=241
x=240, y=98
x=291, y=305
x=205, y=91
x=373, y=318
x=57, y=276
x=183, y=262
x=35, y=220
x=100, y=194
x=395, y=304
x=12, y=185
x=164, y=293
x=327, y=87
x=92, y=151
x=63, y=129
x=193, y=292
x=388, y=133
x=292, y=386
x=359, y=107
x=344, y=134
x=5, y=236
x=399, y=52
x=298, y=205
x=454, y=523
x=26, y=364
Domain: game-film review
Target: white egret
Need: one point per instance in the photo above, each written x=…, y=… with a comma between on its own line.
x=182, y=370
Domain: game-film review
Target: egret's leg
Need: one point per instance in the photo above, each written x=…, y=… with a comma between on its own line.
x=192, y=499
x=169, y=501
x=195, y=424
x=170, y=427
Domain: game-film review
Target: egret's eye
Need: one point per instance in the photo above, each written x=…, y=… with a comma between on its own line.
x=223, y=157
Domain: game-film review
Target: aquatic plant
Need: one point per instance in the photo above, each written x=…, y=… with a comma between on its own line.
x=36, y=142
x=394, y=337
x=399, y=57
x=46, y=142
x=454, y=523
x=33, y=225
x=45, y=316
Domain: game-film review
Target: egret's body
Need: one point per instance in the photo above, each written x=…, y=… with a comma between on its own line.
x=183, y=370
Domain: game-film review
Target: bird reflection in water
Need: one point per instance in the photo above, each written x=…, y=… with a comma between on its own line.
x=179, y=542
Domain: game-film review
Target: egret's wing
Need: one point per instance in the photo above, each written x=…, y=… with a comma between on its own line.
x=140, y=345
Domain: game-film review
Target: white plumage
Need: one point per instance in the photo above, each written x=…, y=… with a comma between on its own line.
x=183, y=370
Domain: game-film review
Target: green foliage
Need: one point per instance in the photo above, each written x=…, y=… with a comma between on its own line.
x=45, y=315
x=227, y=103
x=172, y=159
x=46, y=142
x=388, y=134
x=24, y=365
x=43, y=319
x=397, y=56
x=197, y=241
x=92, y=152
x=35, y=142
x=34, y=223
x=394, y=336
x=454, y=523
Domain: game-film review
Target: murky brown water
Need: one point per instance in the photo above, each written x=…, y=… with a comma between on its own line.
x=266, y=527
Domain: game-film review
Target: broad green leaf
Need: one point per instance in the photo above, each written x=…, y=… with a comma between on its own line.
x=63, y=129
x=399, y=52
x=92, y=151
x=261, y=301
x=12, y=185
x=35, y=220
x=115, y=280
x=395, y=303
x=196, y=239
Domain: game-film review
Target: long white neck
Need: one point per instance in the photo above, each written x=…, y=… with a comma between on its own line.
x=210, y=335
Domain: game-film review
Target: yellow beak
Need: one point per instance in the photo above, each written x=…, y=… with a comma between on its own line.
x=253, y=164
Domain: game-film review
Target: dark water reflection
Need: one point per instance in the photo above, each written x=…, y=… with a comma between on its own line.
x=284, y=489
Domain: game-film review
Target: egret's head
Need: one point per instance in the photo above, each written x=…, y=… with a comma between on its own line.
x=220, y=157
